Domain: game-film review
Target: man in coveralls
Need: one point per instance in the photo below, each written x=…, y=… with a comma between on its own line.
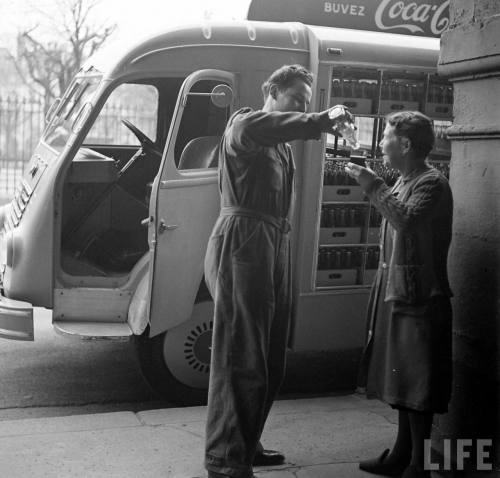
x=248, y=269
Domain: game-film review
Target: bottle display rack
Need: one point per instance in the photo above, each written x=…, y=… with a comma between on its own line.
x=349, y=228
x=349, y=233
x=384, y=91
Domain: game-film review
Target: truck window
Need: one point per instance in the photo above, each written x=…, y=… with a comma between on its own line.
x=201, y=129
x=107, y=189
x=137, y=103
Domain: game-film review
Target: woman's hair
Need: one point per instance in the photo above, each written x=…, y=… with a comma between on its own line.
x=415, y=126
x=285, y=76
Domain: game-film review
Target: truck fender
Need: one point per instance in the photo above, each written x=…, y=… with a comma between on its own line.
x=138, y=316
x=138, y=312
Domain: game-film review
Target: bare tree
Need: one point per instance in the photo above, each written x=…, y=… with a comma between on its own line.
x=47, y=63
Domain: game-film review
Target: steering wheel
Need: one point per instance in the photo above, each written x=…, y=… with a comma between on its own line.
x=147, y=144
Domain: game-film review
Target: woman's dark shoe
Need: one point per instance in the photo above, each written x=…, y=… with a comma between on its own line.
x=382, y=466
x=414, y=472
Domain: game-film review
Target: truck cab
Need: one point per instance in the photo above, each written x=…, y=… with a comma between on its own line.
x=109, y=225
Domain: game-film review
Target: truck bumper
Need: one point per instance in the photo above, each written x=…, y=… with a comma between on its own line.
x=16, y=319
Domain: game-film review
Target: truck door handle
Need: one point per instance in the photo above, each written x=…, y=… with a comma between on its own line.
x=146, y=222
x=33, y=170
x=164, y=227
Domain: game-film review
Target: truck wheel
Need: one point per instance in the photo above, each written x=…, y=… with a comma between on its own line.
x=176, y=363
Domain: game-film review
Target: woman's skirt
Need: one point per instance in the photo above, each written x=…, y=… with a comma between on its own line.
x=408, y=356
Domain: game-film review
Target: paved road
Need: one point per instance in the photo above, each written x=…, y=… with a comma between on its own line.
x=58, y=376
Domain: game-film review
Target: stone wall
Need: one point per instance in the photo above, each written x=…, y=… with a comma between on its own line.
x=470, y=57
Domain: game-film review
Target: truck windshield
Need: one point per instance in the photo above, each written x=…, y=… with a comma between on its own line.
x=79, y=92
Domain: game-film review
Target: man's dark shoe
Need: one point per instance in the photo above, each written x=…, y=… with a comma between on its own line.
x=268, y=458
x=213, y=474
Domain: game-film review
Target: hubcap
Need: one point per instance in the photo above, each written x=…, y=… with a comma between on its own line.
x=186, y=348
x=197, y=347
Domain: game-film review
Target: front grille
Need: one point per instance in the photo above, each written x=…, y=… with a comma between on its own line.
x=15, y=209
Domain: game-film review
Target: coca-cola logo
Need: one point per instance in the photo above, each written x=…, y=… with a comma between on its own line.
x=412, y=16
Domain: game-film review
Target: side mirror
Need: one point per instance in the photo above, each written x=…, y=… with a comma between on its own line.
x=222, y=96
x=52, y=110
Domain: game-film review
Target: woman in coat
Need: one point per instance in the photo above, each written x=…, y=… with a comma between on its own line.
x=407, y=359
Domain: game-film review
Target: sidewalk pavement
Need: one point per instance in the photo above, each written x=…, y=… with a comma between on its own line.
x=321, y=437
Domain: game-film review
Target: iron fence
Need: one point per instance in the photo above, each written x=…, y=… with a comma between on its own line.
x=21, y=124
x=22, y=121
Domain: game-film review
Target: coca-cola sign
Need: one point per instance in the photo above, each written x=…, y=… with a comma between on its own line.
x=411, y=17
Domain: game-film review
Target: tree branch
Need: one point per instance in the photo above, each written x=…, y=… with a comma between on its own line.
x=50, y=65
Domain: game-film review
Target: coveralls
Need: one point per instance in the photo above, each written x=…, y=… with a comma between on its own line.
x=248, y=273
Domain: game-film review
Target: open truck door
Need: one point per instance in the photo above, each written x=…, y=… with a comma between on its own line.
x=185, y=203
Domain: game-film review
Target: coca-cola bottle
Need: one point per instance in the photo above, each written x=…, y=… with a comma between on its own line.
x=322, y=260
x=336, y=92
x=370, y=262
x=433, y=93
x=337, y=264
x=365, y=90
x=385, y=90
x=402, y=91
x=331, y=217
x=357, y=89
x=348, y=264
x=347, y=129
x=448, y=95
x=323, y=218
x=348, y=88
x=352, y=222
x=329, y=260
x=357, y=257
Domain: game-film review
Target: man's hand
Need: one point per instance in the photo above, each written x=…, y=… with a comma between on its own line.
x=364, y=176
x=335, y=116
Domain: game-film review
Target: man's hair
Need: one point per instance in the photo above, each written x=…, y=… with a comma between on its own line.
x=416, y=127
x=285, y=76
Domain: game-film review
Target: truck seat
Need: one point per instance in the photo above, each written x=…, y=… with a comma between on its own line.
x=200, y=153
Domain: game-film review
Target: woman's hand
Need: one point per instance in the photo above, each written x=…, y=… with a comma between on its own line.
x=364, y=176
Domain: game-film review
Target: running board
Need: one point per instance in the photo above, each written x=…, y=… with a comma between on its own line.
x=93, y=330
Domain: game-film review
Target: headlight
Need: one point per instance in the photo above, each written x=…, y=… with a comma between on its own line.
x=9, y=241
x=3, y=250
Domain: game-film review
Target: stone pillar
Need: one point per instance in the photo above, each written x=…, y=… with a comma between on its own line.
x=470, y=57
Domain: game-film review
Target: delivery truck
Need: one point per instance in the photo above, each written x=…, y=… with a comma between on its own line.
x=109, y=225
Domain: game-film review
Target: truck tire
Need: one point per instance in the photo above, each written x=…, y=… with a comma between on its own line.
x=176, y=363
